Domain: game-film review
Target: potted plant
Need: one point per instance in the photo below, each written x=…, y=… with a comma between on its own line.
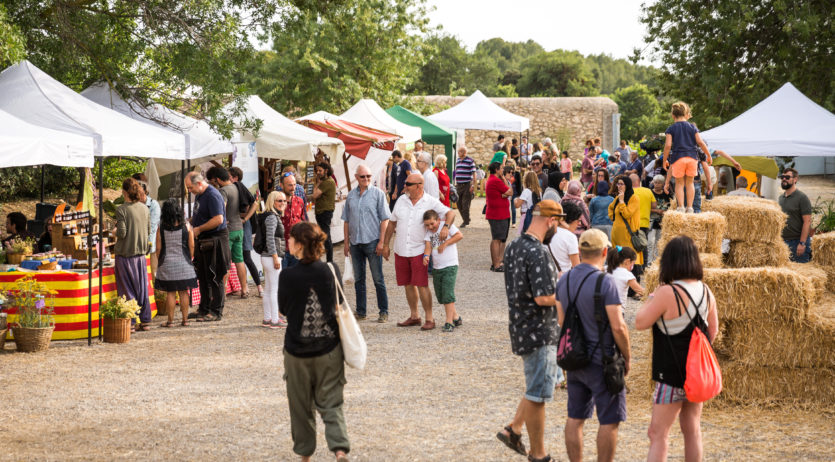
x=33, y=302
x=116, y=317
x=18, y=249
x=825, y=212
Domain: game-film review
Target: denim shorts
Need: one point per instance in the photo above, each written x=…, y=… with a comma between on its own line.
x=587, y=391
x=540, y=374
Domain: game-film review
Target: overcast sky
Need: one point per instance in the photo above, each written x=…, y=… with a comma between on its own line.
x=588, y=26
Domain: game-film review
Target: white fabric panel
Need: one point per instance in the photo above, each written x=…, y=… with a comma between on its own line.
x=30, y=94
x=23, y=144
x=201, y=140
x=479, y=113
x=281, y=138
x=367, y=112
x=787, y=123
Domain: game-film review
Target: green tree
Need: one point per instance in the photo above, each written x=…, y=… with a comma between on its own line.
x=612, y=74
x=12, y=46
x=507, y=55
x=446, y=65
x=556, y=73
x=724, y=56
x=176, y=53
x=641, y=114
x=328, y=58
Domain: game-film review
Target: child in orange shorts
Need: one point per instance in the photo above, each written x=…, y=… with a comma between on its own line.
x=681, y=150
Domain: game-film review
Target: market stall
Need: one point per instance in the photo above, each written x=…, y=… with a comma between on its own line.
x=433, y=133
x=71, y=309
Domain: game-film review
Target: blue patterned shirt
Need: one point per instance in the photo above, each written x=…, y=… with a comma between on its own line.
x=364, y=213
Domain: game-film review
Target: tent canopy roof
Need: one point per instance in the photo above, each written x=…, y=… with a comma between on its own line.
x=479, y=113
x=433, y=133
x=787, y=123
x=358, y=139
x=201, y=140
x=281, y=138
x=368, y=113
x=22, y=144
x=32, y=95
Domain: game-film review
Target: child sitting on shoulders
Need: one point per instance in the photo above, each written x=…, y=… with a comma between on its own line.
x=620, y=262
x=444, y=264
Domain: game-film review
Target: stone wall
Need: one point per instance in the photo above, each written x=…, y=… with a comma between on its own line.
x=584, y=118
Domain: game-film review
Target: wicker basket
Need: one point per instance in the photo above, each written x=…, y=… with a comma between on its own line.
x=116, y=330
x=15, y=258
x=3, y=333
x=50, y=265
x=29, y=339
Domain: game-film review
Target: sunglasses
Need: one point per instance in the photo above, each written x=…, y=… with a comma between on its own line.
x=786, y=177
x=286, y=174
x=281, y=201
x=365, y=176
x=411, y=184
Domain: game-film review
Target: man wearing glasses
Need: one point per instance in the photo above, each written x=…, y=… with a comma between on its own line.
x=409, y=245
x=294, y=213
x=797, y=206
x=536, y=166
x=366, y=217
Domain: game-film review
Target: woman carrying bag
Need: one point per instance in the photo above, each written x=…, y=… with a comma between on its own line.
x=625, y=213
x=679, y=308
x=314, y=365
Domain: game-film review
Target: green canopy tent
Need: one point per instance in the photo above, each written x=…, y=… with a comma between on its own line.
x=432, y=133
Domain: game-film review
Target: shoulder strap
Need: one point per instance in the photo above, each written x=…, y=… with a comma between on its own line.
x=340, y=294
x=554, y=258
x=579, y=289
x=626, y=222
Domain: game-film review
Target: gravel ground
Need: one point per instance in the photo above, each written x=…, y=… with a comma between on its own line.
x=215, y=392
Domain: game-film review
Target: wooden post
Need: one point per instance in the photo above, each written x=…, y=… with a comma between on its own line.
x=347, y=173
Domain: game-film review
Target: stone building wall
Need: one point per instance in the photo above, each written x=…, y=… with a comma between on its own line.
x=584, y=118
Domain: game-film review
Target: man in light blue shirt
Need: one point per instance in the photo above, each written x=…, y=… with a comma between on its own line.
x=366, y=216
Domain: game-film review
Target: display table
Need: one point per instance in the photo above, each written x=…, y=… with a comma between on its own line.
x=70, y=310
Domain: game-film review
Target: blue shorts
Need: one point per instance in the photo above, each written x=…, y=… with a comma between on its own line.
x=540, y=374
x=587, y=391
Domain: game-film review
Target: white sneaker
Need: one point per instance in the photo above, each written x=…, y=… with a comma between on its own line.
x=680, y=209
x=689, y=210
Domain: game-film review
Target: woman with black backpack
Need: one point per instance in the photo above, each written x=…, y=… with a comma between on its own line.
x=269, y=243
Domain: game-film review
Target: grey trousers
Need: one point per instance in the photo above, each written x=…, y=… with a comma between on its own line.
x=318, y=382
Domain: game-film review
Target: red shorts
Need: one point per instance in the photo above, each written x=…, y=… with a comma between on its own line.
x=410, y=271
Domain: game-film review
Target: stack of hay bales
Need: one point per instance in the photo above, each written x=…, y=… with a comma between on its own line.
x=776, y=343
x=753, y=227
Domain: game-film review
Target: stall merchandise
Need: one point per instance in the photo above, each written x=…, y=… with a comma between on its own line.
x=71, y=301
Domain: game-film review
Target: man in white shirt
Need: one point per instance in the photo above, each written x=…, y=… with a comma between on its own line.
x=563, y=246
x=407, y=218
x=430, y=181
x=741, y=188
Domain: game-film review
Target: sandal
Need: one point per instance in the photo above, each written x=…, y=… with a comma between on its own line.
x=547, y=458
x=512, y=440
x=184, y=323
x=143, y=328
x=208, y=318
x=168, y=324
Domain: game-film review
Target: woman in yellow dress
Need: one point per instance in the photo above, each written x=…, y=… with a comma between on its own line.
x=625, y=206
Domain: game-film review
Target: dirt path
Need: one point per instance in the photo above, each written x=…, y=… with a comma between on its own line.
x=215, y=392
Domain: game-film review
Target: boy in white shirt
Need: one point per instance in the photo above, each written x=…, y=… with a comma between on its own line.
x=444, y=265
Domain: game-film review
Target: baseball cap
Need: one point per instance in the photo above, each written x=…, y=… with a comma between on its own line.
x=547, y=209
x=593, y=239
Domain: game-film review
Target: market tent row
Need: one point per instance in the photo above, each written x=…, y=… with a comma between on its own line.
x=786, y=123
x=24, y=144
x=201, y=142
x=479, y=113
x=32, y=95
x=369, y=114
x=432, y=132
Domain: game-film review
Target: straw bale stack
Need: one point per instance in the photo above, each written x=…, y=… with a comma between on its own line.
x=706, y=229
x=639, y=379
x=749, y=218
x=750, y=254
x=823, y=249
x=794, y=387
x=711, y=260
x=817, y=279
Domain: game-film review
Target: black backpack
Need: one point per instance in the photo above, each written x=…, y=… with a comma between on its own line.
x=572, y=353
x=259, y=223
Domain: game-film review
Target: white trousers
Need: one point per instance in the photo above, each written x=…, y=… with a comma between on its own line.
x=270, y=289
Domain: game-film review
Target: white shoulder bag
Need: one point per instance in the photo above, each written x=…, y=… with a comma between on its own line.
x=353, y=344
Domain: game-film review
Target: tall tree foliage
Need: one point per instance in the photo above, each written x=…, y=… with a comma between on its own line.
x=724, y=56
x=641, y=113
x=177, y=53
x=556, y=73
x=12, y=45
x=328, y=58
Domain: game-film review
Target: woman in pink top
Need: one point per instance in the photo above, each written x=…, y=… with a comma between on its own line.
x=443, y=178
x=565, y=164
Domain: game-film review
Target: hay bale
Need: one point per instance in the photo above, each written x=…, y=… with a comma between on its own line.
x=772, y=342
x=818, y=278
x=706, y=229
x=650, y=278
x=750, y=294
x=749, y=218
x=823, y=249
x=639, y=380
x=792, y=387
x=750, y=254
x=711, y=260
x=830, y=277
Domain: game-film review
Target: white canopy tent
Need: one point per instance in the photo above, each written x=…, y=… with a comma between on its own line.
x=787, y=123
x=23, y=144
x=32, y=95
x=367, y=112
x=281, y=138
x=479, y=113
x=320, y=116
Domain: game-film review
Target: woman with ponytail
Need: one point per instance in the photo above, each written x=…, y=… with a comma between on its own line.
x=619, y=263
x=133, y=227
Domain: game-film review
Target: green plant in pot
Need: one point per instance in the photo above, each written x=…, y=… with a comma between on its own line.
x=117, y=314
x=825, y=211
x=17, y=249
x=32, y=304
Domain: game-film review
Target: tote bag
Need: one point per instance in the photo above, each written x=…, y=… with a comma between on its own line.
x=353, y=344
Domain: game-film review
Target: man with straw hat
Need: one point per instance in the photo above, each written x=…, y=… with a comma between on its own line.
x=529, y=283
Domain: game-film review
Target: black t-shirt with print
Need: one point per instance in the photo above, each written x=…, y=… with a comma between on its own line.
x=529, y=273
x=307, y=296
